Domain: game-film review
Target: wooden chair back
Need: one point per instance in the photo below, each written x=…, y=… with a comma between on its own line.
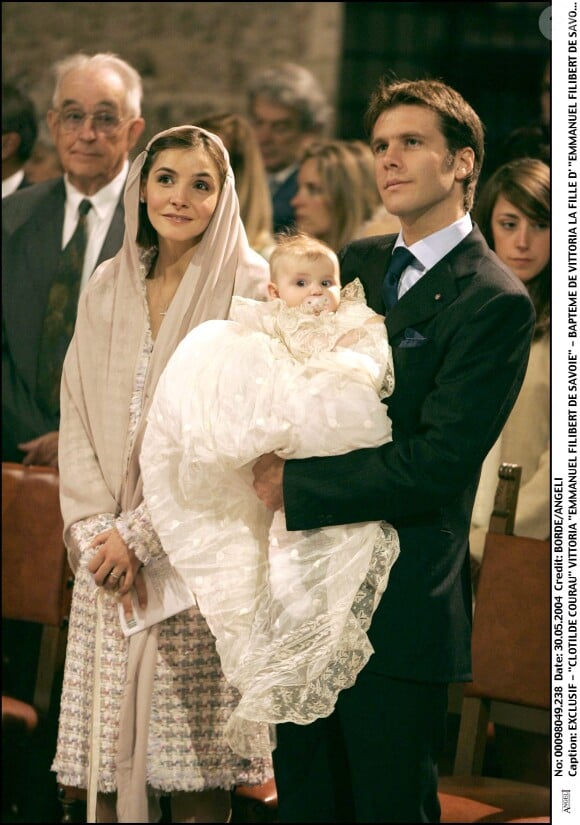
x=36, y=578
x=511, y=665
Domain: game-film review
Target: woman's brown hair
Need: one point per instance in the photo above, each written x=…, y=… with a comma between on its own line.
x=525, y=183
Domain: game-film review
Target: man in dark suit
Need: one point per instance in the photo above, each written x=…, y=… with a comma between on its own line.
x=95, y=122
x=19, y=132
x=460, y=331
x=288, y=109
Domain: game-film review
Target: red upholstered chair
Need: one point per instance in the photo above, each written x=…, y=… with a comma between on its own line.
x=511, y=668
x=255, y=803
x=18, y=716
x=36, y=578
x=36, y=583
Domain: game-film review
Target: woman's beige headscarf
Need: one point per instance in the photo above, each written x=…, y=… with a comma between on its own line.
x=99, y=466
x=97, y=473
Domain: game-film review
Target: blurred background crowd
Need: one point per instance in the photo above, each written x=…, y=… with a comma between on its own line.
x=200, y=57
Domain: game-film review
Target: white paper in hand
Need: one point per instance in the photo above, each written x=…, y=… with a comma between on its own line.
x=167, y=594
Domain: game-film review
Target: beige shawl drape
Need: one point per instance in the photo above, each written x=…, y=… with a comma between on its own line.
x=99, y=467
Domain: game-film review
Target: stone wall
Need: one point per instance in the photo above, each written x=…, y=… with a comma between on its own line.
x=193, y=57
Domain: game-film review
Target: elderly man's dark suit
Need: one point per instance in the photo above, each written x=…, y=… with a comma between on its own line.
x=460, y=339
x=32, y=222
x=24, y=184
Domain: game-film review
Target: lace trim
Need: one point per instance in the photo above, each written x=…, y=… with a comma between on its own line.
x=303, y=703
x=353, y=291
x=138, y=533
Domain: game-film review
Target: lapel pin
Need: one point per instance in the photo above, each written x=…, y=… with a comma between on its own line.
x=438, y=296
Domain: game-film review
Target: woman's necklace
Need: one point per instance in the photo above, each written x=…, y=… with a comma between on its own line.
x=159, y=297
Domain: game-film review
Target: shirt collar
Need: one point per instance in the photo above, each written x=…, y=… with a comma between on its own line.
x=430, y=250
x=282, y=174
x=11, y=184
x=101, y=200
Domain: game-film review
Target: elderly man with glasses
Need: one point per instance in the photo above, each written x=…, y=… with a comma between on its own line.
x=95, y=122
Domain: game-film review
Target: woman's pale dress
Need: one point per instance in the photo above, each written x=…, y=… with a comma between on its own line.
x=184, y=723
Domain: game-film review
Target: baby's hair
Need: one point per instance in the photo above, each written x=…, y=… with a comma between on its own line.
x=298, y=245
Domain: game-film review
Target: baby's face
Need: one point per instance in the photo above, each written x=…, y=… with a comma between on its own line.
x=312, y=285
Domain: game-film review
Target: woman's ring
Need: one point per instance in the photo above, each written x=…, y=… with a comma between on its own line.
x=114, y=576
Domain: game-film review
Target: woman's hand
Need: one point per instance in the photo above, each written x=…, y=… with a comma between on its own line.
x=116, y=567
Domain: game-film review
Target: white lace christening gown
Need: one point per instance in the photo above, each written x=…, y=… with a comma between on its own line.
x=289, y=610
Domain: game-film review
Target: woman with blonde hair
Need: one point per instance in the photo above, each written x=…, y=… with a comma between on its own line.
x=334, y=199
x=252, y=189
x=380, y=221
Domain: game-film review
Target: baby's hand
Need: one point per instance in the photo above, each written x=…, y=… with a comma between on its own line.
x=353, y=336
x=349, y=338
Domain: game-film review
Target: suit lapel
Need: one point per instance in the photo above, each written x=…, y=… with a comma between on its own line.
x=46, y=228
x=438, y=288
x=287, y=189
x=25, y=292
x=372, y=269
x=114, y=238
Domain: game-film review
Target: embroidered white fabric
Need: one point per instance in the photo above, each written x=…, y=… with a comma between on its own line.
x=289, y=610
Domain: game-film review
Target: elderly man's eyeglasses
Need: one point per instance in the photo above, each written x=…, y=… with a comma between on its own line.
x=104, y=122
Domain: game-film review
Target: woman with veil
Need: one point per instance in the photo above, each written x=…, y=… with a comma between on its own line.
x=144, y=716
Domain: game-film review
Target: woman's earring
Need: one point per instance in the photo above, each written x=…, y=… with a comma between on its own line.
x=142, y=199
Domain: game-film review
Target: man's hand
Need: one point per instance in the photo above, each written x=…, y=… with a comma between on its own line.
x=268, y=477
x=42, y=450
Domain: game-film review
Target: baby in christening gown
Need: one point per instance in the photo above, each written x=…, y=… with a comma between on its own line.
x=303, y=374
